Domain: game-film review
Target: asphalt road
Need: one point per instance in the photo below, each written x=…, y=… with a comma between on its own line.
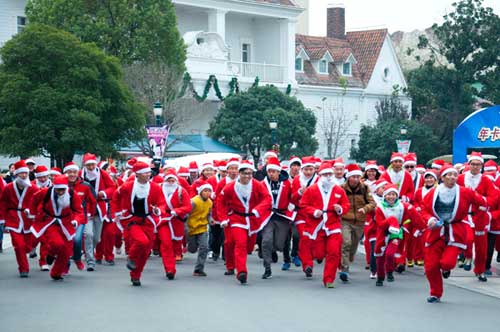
x=104, y=300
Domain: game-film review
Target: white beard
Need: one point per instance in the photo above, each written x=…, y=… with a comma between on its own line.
x=141, y=190
x=23, y=183
x=472, y=181
x=243, y=190
x=64, y=200
x=326, y=183
x=303, y=180
x=45, y=184
x=169, y=189
x=92, y=175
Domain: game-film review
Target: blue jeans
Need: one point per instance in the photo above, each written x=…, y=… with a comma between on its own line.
x=77, y=243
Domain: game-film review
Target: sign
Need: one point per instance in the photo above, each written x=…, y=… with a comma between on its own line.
x=486, y=133
x=157, y=137
x=403, y=145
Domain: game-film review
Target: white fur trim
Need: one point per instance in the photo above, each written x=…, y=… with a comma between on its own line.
x=449, y=170
x=71, y=168
x=277, y=168
x=490, y=169
x=144, y=170
x=375, y=167
x=245, y=165
x=436, y=166
x=203, y=187
x=22, y=170
x=326, y=170
x=46, y=173
x=390, y=190
x=397, y=158
x=470, y=158
x=307, y=164
x=60, y=186
x=270, y=154
x=91, y=161
x=356, y=172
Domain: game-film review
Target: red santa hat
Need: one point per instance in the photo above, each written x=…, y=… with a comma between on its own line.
x=233, y=162
x=390, y=188
x=273, y=163
x=317, y=162
x=205, y=166
x=270, y=153
x=397, y=156
x=307, y=161
x=381, y=168
x=102, y=164
x=420, y=168
x=30, y=161
x=339, y=162
x=325, y=167
x=112, y=170
x=490, y=166
x=475, y=156
x=438, y=164
x=183, y=171
x=222, y=165
x=193, y=166
x=447, y=168
x=157, y=179
x=459, y=166
x=295, y=159
x=430, y=172
x=171, y=174
x=371, y=164
x=60, y=182
x=379, y=183
x=353, y=169
x=410, y=159
x=41, y=171
x=284, y=167
x=89, y=158
x=141, y=167
x=55, y=171
x=131, y=162
x=21, y=167
x=204, y=186
x=246, y=164
x=71, y=166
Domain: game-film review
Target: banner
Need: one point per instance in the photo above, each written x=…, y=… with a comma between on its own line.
x=157, y=137
x=403, y=146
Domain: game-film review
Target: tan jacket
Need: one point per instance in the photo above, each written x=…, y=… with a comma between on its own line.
x=360, y=197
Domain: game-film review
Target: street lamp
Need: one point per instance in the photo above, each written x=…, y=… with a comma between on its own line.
x=158, y=111
x=403, y=144
x=273, y=124
x=403, y=130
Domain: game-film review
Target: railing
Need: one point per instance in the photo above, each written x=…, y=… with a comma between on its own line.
x=265, y=72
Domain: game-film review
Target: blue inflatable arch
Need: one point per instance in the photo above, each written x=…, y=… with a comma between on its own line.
x=479, y=130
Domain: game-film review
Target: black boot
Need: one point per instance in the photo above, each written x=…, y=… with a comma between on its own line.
x=267, y=274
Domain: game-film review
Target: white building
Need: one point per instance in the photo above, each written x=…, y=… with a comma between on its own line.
x=344, y=73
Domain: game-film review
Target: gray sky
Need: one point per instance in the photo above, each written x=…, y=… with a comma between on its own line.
x=405, y=15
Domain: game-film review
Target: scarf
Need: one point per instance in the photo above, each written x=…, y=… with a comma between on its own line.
x=445, y=194
x=91, y=175
x=23, y=183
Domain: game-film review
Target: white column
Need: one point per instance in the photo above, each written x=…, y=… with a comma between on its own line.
x=217, y=22
x=287, y=27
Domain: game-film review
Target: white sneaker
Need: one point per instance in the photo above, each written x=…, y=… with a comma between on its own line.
x=45, y=267
x=373, y=276
x=210, y=254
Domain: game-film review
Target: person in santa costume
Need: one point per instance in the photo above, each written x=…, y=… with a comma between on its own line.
x=194, y=172
x=206, y=176
x=300, y=183
x=171, y=225
x=415, y=249
x=103, y=186
x=245, y=205
x=232, y=174
x=221, y=170
x=295, y=166
x=396, y=175
x=370, y=230
x=15, y=212
x=58, y=212
x=390, y=217
x=478, y=220
x=444, y=209
x=339, y=171
x=371, y=174
x=276, y=228
x=128, y=169
x=324, y=203
x=2, y=222
x=410, y=164
x=88, y=200
x=142, y=203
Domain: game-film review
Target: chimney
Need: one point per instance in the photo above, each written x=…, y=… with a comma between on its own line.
x=335, y=21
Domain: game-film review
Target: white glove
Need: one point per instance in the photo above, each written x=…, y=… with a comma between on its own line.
x=157, y=211
x=432, y=223
x=318, y=213
x=74, y=223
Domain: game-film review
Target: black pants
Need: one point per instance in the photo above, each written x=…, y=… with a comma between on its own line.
x=216, y=239
x=491, y=248
x=294, y=235
x=373, y=259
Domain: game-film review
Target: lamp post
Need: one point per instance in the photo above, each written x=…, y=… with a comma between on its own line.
x=158, y=112
x=403, y=143
x=273, y=124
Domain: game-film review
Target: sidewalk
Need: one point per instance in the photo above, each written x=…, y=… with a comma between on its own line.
x=465, y=279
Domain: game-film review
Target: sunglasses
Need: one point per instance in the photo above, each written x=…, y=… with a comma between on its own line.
x=409, y=166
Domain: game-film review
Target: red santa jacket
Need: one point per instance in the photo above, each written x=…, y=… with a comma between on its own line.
x=15, y=208
x=297, y=184
x=105, y=184
x=479, y=219
x=86, y=194
x=218, y=200
x=178, y=206
x=456, y=233
x=406, y=187
x=315, y=199
x=282, y=206
x=154, y=199
x=46, y=213
x=252, y=214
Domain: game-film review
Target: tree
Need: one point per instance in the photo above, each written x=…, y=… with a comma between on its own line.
x=334, y=127
x=59, y=95
x=131, y=30
x=243, y=122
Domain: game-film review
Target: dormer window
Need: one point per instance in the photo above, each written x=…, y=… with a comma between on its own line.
x=322, y=63
x=347, y=69
x=323, y=67
x=299, y=64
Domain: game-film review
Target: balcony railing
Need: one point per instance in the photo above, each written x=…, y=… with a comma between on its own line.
x=265, y=72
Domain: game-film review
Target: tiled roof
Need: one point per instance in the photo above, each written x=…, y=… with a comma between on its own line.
x=279, y=2
x=365, y=46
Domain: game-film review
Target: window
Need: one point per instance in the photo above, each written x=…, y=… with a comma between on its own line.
x=323, y=67
x=346, y=69
x=21, y=23
x=299, y=64
x=245, y=52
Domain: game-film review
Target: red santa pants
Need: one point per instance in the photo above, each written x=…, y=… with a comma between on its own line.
x=118, y=238
x=104, y=249
x=439, y=257
x=329, y=247
x=141, y=242
x=43, y=249
x=243, y=244
x=497, y=244
x=386, y=262
x=166, y=248
x=480, y=251
x=59, y=247
x=22, y=246
x=305, y=250
x=229, y=248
